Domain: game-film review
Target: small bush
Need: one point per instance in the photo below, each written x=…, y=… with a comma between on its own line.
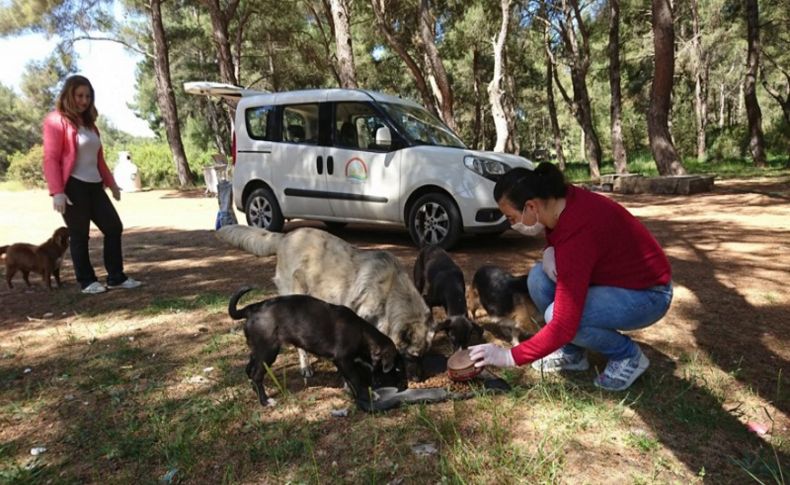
x=728, y=143
x=25, y=168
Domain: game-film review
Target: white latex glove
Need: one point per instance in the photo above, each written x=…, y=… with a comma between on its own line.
x=549, y=263
x=116, y=192
x=59, y=202
x=491, y=354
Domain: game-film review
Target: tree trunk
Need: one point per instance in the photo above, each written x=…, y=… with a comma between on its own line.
x=580, y=64
x=436, y=65
x=664, y=152
x=552, y=105
x=219, y=28
x=756, y=142
x=496, y=88
x=325, y=41
x=343, y=46
x=618, y=146
x=776, y=90
x=700, y=83
x=722, y=103
x=476, y=129
x=165, y=97
x=379, y=10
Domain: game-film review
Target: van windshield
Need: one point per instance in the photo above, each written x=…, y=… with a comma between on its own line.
x=422, y=127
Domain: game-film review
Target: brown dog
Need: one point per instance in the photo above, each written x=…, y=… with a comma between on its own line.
x=504, y=298
x=44, y=259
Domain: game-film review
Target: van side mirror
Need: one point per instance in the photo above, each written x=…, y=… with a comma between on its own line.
x=383, y=137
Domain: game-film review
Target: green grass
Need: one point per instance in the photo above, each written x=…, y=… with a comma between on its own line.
x=643, y=164
x=142, y=421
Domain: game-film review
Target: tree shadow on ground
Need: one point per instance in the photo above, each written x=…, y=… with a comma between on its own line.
x=730, y=328
x=694, y=424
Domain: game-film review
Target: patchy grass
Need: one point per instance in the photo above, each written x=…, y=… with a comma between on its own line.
x=112, y=409
x=148, y=386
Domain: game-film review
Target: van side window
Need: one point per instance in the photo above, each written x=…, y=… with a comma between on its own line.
x=355, y=126
x=259, y=123
x=300, y=123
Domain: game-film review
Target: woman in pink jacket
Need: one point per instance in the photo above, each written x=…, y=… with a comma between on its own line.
x=76, y=175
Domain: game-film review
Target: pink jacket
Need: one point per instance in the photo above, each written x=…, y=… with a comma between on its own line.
x=60, y=153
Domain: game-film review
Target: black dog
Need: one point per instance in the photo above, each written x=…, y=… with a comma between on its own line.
x=364, y=356
x=441, y=283
x=505, y=298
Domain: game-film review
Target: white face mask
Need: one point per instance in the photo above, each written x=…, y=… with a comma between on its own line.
x=526, y=230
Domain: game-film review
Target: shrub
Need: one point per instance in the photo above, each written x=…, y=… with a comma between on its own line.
x=25, y=168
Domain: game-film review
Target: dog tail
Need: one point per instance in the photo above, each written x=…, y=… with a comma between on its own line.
x=255, y=240
x=235, y=313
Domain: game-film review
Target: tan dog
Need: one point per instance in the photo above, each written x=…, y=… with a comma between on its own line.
x=44, y=259
x=504, y=299
x=371, y=283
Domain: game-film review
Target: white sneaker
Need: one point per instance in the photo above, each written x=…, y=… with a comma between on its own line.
x=620, y=374
x=94, y=288
x=559, y=360
x=128, y=284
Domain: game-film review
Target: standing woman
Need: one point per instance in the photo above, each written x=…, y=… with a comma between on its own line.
x=602, y=273
x=76, y=175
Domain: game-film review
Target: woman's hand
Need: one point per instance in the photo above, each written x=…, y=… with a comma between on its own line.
x=116, y=192
x=491, y=354
x=59, y=202
x=549, y=263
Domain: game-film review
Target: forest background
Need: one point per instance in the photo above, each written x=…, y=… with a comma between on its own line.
x=644, y=86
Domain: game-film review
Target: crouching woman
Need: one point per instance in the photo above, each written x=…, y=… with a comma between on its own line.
x=603, y=273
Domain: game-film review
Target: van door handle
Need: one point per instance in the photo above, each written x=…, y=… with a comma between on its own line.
x=319, y=165
x=330, y=165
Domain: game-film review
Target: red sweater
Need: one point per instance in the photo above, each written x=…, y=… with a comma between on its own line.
x=596, y=242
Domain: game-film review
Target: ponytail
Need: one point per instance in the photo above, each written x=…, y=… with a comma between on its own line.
x=519, y=185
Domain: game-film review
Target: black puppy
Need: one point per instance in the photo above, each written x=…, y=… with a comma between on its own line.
x=364, y=356
x=441, y=283
x=505, y=298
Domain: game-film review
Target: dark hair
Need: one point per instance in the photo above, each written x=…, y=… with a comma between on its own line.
x=520, y=184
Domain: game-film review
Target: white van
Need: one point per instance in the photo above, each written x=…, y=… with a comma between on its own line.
x=350, y=155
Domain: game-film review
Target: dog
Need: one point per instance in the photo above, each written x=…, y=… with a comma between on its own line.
x=505, y=299
x=363, y=355
x=441, y=283
x=371, y=283
x=44, y=259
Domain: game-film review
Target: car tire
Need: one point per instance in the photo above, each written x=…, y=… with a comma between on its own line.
x=262, y=210
x=434, y=219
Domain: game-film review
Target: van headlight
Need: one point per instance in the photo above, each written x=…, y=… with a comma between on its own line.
x=490, y=169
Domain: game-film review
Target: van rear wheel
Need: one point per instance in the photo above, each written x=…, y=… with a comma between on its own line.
x=434, y=220
x=262, y=210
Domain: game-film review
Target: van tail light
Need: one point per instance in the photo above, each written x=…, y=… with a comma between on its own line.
x=233, y=148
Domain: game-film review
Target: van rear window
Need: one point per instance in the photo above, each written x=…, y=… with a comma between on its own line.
x=259, y=122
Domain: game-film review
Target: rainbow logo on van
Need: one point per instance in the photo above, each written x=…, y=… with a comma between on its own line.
x=356, y=170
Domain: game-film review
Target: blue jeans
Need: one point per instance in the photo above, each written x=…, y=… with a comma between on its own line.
x=607, y=311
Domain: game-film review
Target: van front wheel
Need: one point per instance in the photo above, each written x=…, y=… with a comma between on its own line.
x=434, y=220
x=262, y=210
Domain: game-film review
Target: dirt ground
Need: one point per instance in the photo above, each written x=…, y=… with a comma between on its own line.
x=729, y=249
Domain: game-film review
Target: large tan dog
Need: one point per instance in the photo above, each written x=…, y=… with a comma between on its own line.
x=372, y=283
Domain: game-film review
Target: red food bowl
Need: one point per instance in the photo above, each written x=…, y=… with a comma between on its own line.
x=460, y=367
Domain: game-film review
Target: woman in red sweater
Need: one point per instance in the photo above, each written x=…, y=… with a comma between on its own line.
x=76, y=175
x=602, y=273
